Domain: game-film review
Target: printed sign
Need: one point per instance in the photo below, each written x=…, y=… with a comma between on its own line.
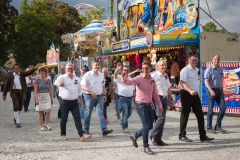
x=231, y=83
x=120, y=46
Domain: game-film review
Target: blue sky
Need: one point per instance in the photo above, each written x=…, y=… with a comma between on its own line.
x=226, y=12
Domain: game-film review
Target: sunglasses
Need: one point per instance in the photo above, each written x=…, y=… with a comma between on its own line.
x=70, y=68
x=126, y=70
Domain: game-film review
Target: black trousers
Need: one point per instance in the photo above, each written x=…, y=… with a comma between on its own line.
x=189, y=101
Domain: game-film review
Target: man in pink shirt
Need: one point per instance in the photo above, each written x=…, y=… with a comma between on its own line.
x=146, y=89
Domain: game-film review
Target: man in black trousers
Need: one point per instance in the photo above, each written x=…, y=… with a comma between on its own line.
x=189, y=80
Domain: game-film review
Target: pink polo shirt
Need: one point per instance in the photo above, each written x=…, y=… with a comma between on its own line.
x=146, y=89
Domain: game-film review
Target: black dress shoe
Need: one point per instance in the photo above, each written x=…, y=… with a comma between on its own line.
x=18, y=125
x=206, y=138
x=87, y=132
x=134, y=141
x=154, y=141
x=106, y=132
x=185, y=139
x=161, y=143
x=148, y=151
x=14, y=121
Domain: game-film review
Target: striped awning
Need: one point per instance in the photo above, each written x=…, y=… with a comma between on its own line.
x=92, y=27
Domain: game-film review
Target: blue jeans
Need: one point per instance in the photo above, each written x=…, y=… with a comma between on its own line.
x=89, y=104
x=146, y=116
x=219, y=98
x=117, y=105
x=27, y=97
x=72, y=106
x=159, y=124
x=82, y=108
x=125, y=105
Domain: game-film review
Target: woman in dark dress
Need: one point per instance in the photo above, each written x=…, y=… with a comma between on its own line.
x=108, y=87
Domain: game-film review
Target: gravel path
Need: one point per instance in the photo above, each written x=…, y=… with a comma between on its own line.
x=29, y=142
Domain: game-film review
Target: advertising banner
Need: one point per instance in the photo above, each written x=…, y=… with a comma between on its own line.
x=231, y=83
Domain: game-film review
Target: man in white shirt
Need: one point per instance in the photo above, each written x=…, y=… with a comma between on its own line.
x=93, y=84
x=189, y=80
x=125, y=94
x=165, y=93
x=27, y=94
x=69, y=92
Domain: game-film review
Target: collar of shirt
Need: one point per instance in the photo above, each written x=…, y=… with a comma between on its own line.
x=144, y=76
x=160, y=74
x=94, y=73
x=16, y=74
x=65, y=75
x=190, y=67
x=214, y=67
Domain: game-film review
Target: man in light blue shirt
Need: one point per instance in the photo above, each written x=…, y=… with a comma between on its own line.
x=213, y=80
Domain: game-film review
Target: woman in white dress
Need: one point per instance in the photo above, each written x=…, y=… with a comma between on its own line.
x=43, y=98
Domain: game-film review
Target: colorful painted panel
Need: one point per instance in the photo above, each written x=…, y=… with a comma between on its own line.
x=162, y=17
x=231, y=89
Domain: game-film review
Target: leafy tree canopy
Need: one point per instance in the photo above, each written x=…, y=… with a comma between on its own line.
x=211, y=27
x=7, y=28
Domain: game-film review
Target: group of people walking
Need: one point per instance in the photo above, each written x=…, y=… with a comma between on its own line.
x=150, y=90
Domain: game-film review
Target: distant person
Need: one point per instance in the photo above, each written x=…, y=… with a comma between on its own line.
x=174, y=73
x=55, y=89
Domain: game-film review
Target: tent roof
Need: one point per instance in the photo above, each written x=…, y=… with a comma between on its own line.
x=92, y=27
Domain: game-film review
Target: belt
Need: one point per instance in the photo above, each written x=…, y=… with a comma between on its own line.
x=17, y=89
x=90, y=94
x=216, y=88
x=66, y=99
x=146, y=104
x=162, y=96
x=125, y=97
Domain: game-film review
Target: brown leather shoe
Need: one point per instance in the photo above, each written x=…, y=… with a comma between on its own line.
x=134, y=141
x=148, y=151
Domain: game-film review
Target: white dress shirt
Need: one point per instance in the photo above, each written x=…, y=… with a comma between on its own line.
x=190, y=75
x=93, y=81
x=115, y=87
x=17, y=83
x=123, y=89
x=162, y=82
x=72, y=87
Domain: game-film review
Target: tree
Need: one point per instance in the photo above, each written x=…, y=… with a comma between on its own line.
x=36, y=31
x=7, y=28
x=211, y=27
x=87, y=17
x=67, y=20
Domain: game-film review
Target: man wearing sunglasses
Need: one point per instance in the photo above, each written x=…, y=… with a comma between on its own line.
x=189, y=80
x=125, y=94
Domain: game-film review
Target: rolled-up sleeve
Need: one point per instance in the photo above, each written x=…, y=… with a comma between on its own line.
x=183, y=74
x=129, y=82
x=59, y=79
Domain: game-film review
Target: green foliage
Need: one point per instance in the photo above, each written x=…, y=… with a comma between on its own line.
x=87, y=17
x=36, y=31
x=40, y=23
x=7, y=28
x=211, y=27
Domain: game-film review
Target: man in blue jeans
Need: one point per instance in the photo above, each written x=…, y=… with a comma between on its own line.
x=125, y=94
x=93, y=84
x=146, y=90
x=213, y=80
